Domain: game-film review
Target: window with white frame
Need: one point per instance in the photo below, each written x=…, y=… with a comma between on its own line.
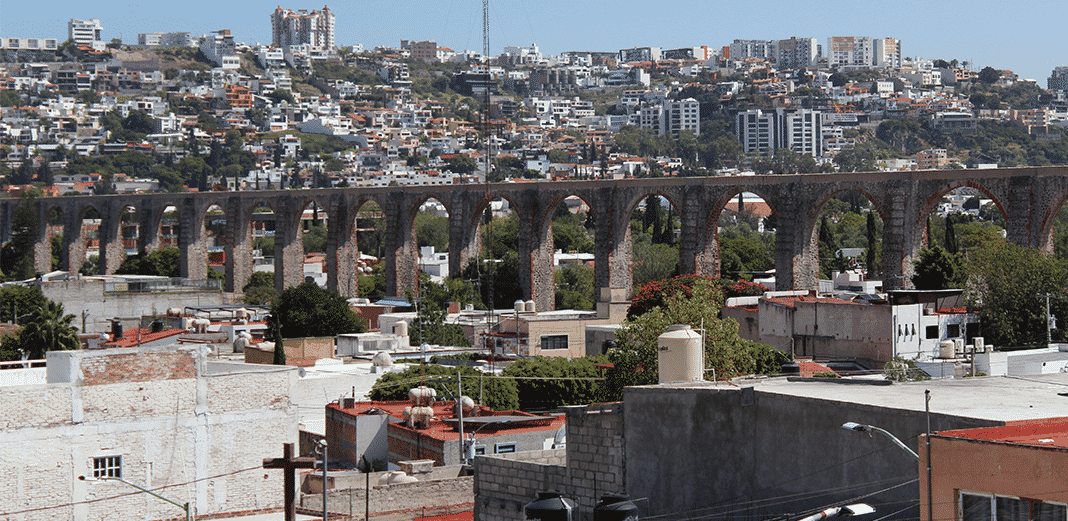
x=502, y=448
x=975, y=506
x=107, y=467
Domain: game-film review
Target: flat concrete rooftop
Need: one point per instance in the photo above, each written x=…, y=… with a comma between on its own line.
x=997, y=398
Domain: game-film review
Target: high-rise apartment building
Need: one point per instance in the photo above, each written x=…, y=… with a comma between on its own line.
x=863, y=52
x=799, y=130
x=1058, y=79
x=315, y=28
x=850, y=52
x=887, y=53
x=745, y=49
x=86, y=32
x=795, y=53
x=671, y=117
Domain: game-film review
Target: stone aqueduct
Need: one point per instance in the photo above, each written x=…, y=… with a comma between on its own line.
x=1028, y=198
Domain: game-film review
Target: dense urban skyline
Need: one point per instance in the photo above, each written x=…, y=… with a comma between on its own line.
x=1022, y=36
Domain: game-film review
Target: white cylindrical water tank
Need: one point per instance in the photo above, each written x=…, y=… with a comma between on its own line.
x=682, y=355
x=421, y=417
x=467, y=407
x=422, y=395
x=945, y=349
x=400, y=328
x=382, y=359
x=528, y=306
x=519, y=306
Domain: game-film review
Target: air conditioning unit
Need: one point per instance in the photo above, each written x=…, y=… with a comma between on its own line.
x=980, y=345
x=958, y=346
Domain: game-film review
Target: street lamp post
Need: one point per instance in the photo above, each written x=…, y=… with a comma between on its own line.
x=184, y=507
x=853, y=426
x=858, y=509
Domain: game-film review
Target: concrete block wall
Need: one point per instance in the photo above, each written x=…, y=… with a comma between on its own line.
x=592, y=464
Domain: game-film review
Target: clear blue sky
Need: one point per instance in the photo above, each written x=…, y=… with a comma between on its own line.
x=1025, y=36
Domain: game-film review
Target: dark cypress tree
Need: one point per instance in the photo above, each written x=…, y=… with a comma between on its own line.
x=952, y=246
x=873, y=265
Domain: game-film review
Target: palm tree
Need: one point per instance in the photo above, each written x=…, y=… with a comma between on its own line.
x=48, y=329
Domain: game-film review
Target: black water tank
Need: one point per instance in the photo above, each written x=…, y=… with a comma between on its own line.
x=116, y=329
x=550, y=506
x=157, y=326
x=615, y=507
x=791, y=367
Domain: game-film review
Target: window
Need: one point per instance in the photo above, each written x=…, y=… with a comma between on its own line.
x=932, y=332
x=554, y=342
x=107, y=466
x=502, y=448
x=952, y=330
x=480, y=450
x=989, y=507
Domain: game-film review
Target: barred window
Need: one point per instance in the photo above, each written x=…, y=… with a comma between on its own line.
x=107, y=467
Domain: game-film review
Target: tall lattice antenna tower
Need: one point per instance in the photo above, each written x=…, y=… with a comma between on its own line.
x=485, y=29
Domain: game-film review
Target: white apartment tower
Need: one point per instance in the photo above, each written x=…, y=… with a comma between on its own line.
x=887, y=53
x=86, y=32
x=800, y=131
x=671, y=117
x=850, y=52
x=745, y=49
x=315, y=28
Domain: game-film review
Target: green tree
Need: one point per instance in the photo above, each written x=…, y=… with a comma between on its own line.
x=461, y=164
x=16, y=255
x=635, y=355
x=310, y=311
x=259, y=290
x=47, y=329
x=989, y=75
x=279, y=357
x=432, y=230
x=938, y=269
x=1005, y=281
x=315, y=239
x=574, y=287
x=163, y=262
x=545, y=383
x=499, y=394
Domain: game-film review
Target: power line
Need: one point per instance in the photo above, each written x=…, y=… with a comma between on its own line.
x=88, y=501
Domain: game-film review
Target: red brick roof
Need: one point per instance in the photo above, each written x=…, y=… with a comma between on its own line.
x=130, y=338
x=791, y=301
x=1047, y=432
x=441, y=430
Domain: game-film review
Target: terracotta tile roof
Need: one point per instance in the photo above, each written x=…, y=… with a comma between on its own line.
x=791, y=301
x=441, y=430
x=130, y=339
x=1047, y=432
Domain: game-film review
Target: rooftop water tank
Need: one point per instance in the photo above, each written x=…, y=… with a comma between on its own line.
x=682, y=355
x=422, y=395
x=467, y=406
x=615, y=507
x=528, y=306
x=382, y=359
x=400, y=328
x=421, y=417
x=519, y=306
x=945, y=349
x=551, y=506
